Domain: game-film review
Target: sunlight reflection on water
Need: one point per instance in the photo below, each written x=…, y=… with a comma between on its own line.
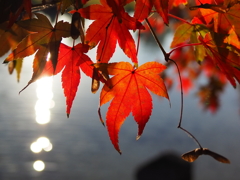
x=43, y=116
x=39, y=165
x=42, y=143
x=44, y=102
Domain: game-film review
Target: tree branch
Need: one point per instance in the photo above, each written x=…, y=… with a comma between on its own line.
x=43, y=6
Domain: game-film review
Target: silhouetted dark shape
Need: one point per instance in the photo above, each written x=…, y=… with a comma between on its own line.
x=7, y=7
x=165, y=167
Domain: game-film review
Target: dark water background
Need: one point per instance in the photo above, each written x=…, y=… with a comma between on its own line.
x=81, y=148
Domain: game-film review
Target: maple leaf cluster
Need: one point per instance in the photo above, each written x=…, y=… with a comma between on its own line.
x=211, y=34
x=215, y=25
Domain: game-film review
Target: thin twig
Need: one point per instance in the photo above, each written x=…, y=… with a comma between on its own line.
x=180, y=79
x=184, y=45
x=192, y=136
x=157, y=40
x=138, y=42
x=181, y=110
x=40, y=7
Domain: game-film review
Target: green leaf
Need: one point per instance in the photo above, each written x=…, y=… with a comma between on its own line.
x=182, y=34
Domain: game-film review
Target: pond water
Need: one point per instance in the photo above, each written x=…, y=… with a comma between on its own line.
x=79, y=147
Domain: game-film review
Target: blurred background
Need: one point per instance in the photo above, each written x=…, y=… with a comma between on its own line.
x=38, y=141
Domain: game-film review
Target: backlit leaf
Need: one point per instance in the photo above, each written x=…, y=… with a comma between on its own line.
x=129, y=94
x=111, y=25
x=10, y=37
x=70, y=61
x=15, y=65
x=219, y=56
x=144, y=7
x=182, y=34
x=46, y=39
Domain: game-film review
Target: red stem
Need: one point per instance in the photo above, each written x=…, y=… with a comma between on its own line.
x=180, y=19
x=184, y=45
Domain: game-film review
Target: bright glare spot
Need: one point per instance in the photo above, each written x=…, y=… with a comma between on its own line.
x=45, y=81
x=48, y=148
x=43, y=117
x=44, y=94
x=44, y=102
x=35, y=147
x=48, y=56
x=52, y=104
x=41, y=103
x=39, y=165
x=42, y=143
x=44, y=88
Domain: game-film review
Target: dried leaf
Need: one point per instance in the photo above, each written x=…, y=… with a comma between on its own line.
x=194, y=154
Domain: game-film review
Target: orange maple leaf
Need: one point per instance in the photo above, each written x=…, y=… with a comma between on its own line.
x=111, y=25
x=129, y=93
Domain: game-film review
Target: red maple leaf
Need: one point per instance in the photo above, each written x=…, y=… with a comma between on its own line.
x=111, y=25
x=144, y=7
x=224, y=16
x=129, y=93
x=70, y=60
x=230, y=67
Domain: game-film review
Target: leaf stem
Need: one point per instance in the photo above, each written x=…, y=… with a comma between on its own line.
x=192, y=136
x=138, y=42
x=157, y=40
x=181, y=87
x=73, y=43
x=181, y=110
x=184, y=45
